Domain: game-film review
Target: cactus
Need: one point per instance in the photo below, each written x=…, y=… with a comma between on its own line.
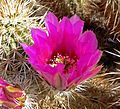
x=100, y=92
x=15, y=22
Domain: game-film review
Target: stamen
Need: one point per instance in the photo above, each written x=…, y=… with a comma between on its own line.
x=66, y=60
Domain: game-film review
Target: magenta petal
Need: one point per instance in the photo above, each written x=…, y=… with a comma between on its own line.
x=88, y=60
x=78, y=25
x=41, y=51
x=54, y=35
x=60, y=82
x=90, y=39
x=66, y=27
x=89, y=74
x=44, y=52
x=28, y=49
x=80, y=77
x=2, y=95
x=52, y=30
x=55, y=38
x=72, y=77
x=94, y=58
x=47, y=73
x=52, y=19
x=82, y=63
x=68, y=43
x=53, y=76
x=87, y=43
x=37, y=34
x=75, y=19
x=3, y=82
x=31, y=52
x=59, y=79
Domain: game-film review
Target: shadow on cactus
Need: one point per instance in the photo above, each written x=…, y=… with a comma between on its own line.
x=59, y=7
x=104, y=12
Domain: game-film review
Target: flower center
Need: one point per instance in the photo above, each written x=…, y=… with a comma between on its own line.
x=66, y=60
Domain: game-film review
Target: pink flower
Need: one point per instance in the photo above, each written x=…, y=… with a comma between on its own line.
x=63, y=55
x=11, y=96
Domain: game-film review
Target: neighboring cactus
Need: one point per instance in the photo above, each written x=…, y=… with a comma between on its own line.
x=15, y=23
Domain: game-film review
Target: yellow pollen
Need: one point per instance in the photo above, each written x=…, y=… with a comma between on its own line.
x=66, y=60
